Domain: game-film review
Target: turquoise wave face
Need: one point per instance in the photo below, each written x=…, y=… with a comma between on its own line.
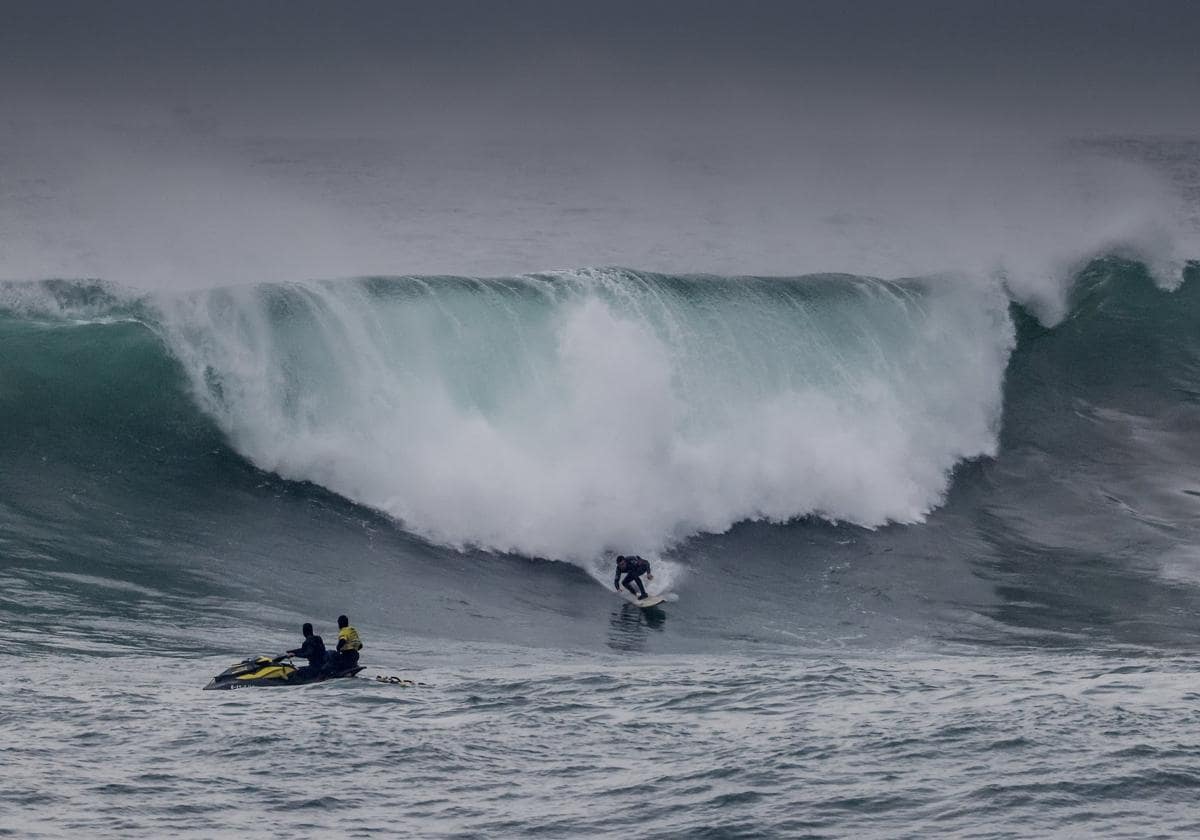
x=562, y=415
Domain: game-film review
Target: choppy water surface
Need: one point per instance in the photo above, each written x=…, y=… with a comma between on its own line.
x=506, y=742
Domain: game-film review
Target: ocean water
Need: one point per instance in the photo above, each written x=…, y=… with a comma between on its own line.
x=931, y=539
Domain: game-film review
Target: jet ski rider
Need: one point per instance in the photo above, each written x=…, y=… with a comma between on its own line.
x=348, y=646
x=633, y=568
x=313, y=650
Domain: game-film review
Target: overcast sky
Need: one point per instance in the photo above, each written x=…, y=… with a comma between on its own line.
x=366, y=67
x=163, y=143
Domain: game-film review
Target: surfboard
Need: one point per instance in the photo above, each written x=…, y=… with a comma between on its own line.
x=652, y=601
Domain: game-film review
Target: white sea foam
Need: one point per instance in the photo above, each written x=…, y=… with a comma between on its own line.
x=562, y=416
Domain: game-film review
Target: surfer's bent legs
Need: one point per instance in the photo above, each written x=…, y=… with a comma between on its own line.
x=631, y=579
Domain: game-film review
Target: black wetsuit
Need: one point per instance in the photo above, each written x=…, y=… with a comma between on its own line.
x=633, y=568
x=313, y=650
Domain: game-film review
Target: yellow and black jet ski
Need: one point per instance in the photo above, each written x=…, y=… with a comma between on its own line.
x=263, y=670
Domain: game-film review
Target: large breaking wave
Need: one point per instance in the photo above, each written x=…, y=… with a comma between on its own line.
x=561, y=415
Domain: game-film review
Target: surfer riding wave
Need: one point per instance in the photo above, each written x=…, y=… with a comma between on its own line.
x=633, y=567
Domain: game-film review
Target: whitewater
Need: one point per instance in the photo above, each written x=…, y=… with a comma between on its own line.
x=562, y=416
x=931, y=519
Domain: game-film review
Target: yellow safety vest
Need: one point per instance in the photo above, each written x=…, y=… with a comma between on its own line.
x=349, y=636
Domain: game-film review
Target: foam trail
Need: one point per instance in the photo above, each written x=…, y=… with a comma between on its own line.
x=563, y=415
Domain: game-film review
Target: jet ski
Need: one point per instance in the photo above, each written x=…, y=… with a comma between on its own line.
x=263, y=670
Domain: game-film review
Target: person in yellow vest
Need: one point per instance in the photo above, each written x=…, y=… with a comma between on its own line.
x=348, y=644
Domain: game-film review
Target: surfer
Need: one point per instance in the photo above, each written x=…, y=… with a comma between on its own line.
x=633, y=567
x=348, y=645
x=313, y=650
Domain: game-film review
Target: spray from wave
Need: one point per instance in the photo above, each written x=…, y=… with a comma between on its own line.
x=561, y=415
x=162, y=208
